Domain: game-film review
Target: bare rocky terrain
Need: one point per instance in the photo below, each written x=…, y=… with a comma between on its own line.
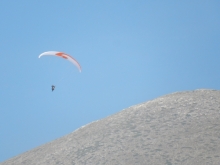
x=179, y=128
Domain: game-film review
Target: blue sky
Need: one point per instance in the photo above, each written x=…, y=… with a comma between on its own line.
x=130, y=52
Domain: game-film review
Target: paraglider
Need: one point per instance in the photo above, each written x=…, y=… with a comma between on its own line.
x=53, y=87
x=64, y=56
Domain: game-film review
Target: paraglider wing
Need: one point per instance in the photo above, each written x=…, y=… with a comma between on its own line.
x=63, y=55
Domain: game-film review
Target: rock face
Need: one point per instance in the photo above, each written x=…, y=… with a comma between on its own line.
x=179, y=128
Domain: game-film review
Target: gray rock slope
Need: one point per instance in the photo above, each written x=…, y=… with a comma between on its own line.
x=179, y=128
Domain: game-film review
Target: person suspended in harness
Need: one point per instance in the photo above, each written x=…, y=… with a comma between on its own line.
x=53, y=87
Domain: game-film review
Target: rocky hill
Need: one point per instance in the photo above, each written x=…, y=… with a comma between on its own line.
x=179, y=128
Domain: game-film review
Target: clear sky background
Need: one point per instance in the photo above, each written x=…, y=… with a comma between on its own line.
x=131, y=51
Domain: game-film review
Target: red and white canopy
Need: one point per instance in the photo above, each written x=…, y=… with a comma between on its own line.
x=63, y=55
